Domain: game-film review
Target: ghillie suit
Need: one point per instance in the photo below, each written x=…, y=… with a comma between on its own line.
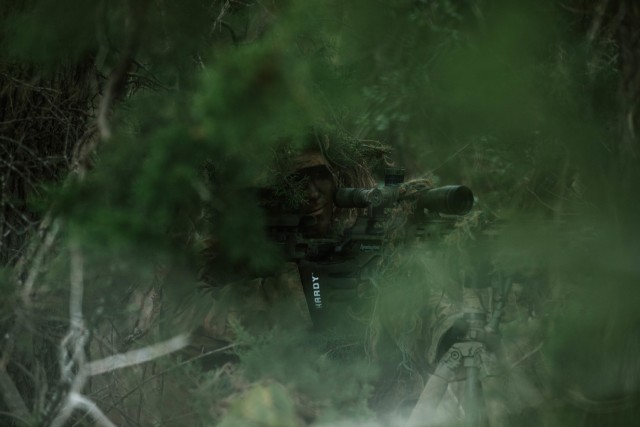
x=251, y=326
x=244, y=308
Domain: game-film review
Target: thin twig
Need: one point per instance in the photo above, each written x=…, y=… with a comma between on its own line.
x=451, y=157
x=526, y=356
x=166, y=371
x=546, y=205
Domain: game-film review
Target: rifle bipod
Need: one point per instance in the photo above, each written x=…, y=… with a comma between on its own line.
x=470, y=359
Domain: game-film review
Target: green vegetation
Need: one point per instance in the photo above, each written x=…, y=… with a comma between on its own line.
x=131, y=131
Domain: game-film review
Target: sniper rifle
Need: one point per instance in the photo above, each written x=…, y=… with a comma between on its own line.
x=332, y=269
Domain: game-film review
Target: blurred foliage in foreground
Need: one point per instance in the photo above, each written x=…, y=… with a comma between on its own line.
x=136, y=127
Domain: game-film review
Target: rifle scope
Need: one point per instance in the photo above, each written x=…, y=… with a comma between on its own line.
x=450, y=199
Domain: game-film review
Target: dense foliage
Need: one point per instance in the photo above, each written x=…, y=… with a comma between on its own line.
x=130, y=131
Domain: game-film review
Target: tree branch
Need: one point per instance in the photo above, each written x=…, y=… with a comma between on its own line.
x=136, y=357
x=118, y=77
x=45, y=247
x=80, y=401
x=77, y=286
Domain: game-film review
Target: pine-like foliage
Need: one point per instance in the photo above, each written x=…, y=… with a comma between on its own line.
x=132, y=136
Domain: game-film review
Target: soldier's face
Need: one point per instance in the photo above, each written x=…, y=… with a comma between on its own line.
x=319, y=189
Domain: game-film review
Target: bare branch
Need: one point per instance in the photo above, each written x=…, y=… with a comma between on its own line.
x=69, y=404
x=77, y=286
x=166, y=371
x=72, y=357
x=79, y=401
x=74, y=398
x=50, y=237
x=136, y=357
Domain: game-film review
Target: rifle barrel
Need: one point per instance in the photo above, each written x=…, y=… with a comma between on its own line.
x=450, y=199
x=359, y=197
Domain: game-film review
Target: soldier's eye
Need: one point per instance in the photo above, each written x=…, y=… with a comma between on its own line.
x=320, y=173
x=296, y=177
x=314, y=172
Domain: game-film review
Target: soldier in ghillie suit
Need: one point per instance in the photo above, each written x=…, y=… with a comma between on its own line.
x=368, y=308
x=396, y=311
x=302, y=182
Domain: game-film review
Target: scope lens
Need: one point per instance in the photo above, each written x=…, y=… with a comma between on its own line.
x=460, y=200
